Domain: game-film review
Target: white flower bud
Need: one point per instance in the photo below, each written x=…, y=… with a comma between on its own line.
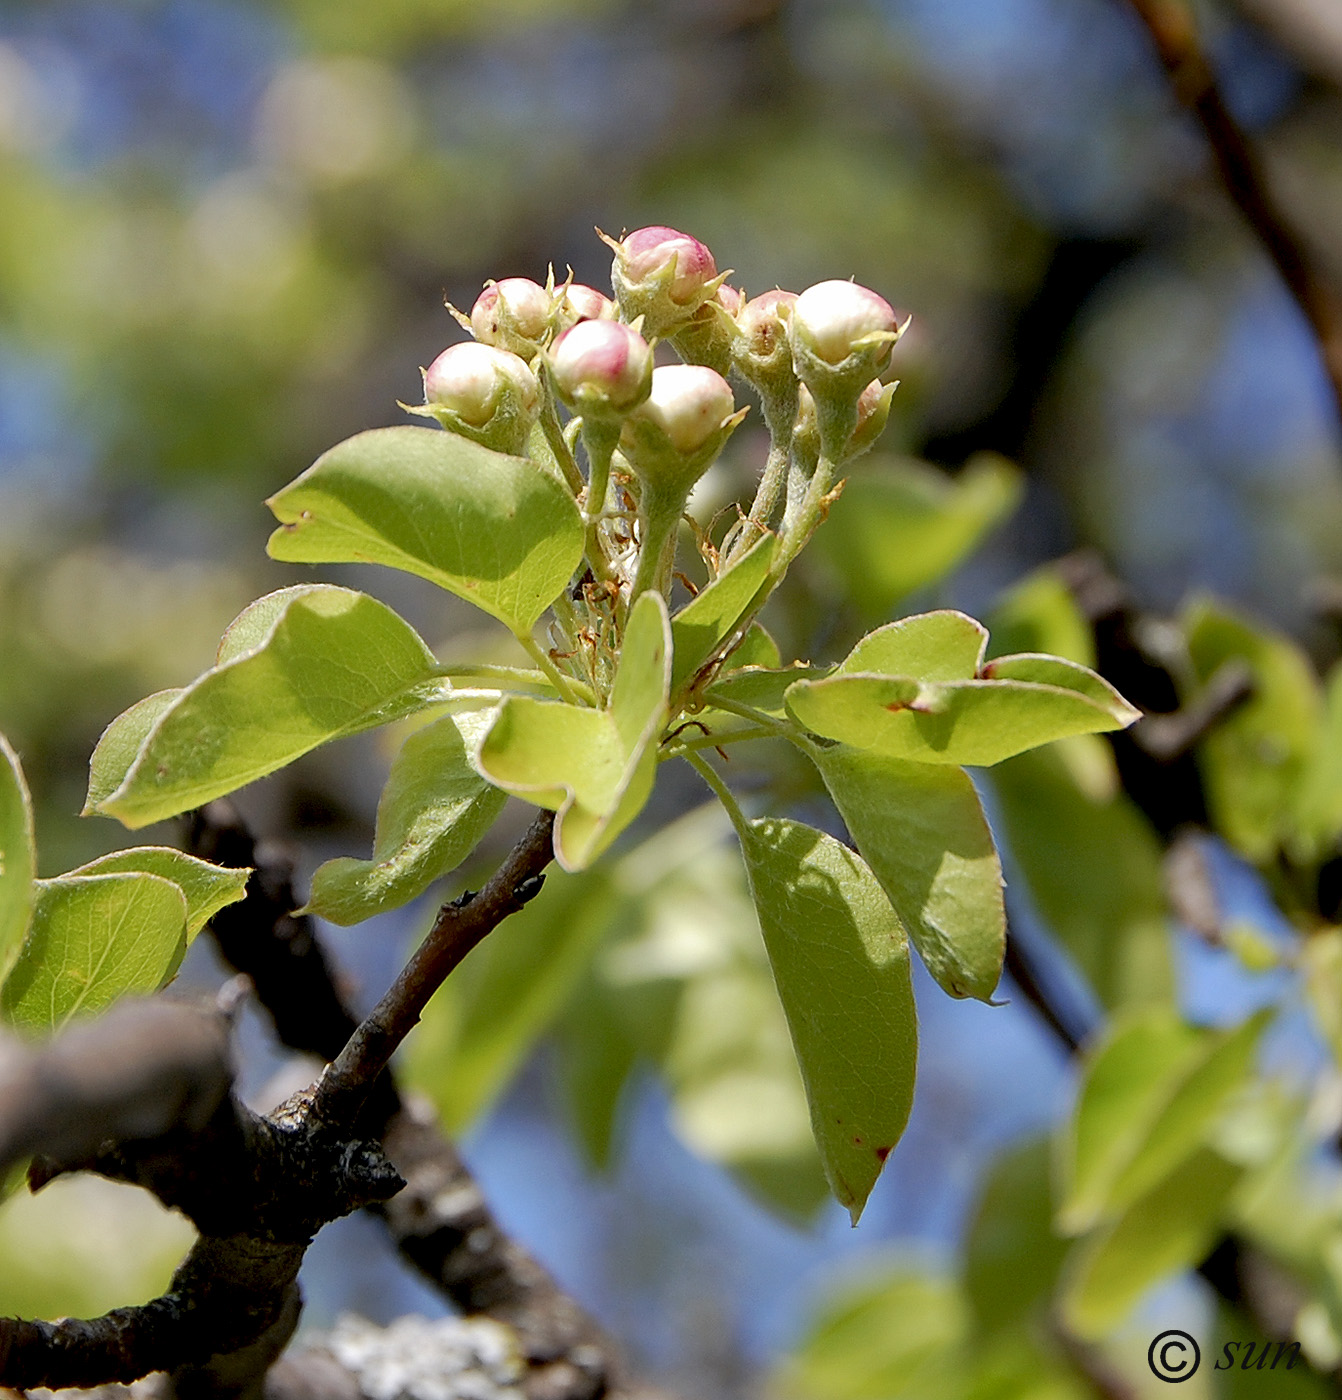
x=514, y=314
x=602, y=365
x=582, y=303
x=486, y=394
x=662, y=275
x=689, y=403
x=835, y=319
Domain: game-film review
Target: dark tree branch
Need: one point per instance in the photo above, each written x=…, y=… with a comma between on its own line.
x=1172, y=28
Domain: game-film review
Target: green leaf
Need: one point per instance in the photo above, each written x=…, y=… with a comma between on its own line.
x=1012, y=1255
x=959, y=722
x=1152, y=1092
x=899, y=527
x=897, y=1336
x=94, y=938
x=17, y=859
x=757, y=648
x=119, y=744
x=481, y=1025
x=330, y=663
x=432, y=814
x=597, y=1057
x=495, y=530
x=594, y=767
x=841, y=963
x=708, y=620
x=935, y=646
x=207, y=888
x=922, y=831
x=1318, y=806
x=1166, y=1230
x=1039, y=614
x=1253, y=760
x=1092, y=864
x=763, y=688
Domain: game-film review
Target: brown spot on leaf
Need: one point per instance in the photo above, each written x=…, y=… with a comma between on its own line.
x=882, y=1153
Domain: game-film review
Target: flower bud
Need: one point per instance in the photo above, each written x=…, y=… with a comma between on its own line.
x=837, y=319
x=579, y=302
x=486, y=394
x=514, y=314
x=761, y=353
x=873, y=413
x=662, y=275
x=602, y=367
x=707, y=337
x=675, y=434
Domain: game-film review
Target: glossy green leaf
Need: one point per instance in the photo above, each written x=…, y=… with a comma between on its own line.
x=17, y=860
x=922, y=831
x=1253, y=761
x=977, y=722
x=841, y=962
x=900, y=1335
x=594, y=767
x=432, y=814
x=1168, y=1229
x=330, y=663
x=1152, y=1092
x=1012, y=1255
x=119, y=744
x=708, y=620
x=901, y=526
x=94, y=938
x=1093, y=867
x=496, y=530
x=935, y=646
x=207, y=888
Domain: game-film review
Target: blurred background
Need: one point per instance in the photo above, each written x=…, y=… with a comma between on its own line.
x=227, y=229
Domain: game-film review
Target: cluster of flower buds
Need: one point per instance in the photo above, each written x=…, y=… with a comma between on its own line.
x=815, y=359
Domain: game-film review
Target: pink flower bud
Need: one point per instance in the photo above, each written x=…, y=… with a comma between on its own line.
x=474, y=381
x=583, y=303
x=762, y=322
x=689, y=403
x=651, y=254
x=730, y=299
x=833, y=319
x=602, y=362
x=513, y=314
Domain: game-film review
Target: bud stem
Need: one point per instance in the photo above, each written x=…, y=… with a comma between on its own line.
x=659, y=513
x=554, y=434
x=780, y=416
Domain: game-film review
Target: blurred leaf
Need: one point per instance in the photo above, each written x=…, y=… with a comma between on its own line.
x=1321, y=964
x=1319, y=801
x=207, y=888
x=1152, y=1092
x=1093, y=867
x=17, y=858
x=1164, y=1231
x=1012, y=1254
x=1039, y=614
x=841, y=962
x=1254, y=760
x=899, y=527
x=922, y=831
x=594, y=767
x=432, y=814
x=1023, y=702
x=709, y=619
x=331, y=662
x=487, y=1017
x=597, y=1057
x=936, y=646
x=495, y=530
x=94, y=938
x=901, y=1336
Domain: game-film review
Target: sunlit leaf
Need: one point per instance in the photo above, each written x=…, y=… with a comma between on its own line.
x=1152, y=1091
x=594, y=767
x=922, y=831
x=94, y=938
x=704, y=623
x=841, y=962
x=120, y=742
x=935, y=646
x=207, y=888
x=763, y=688
x=900, y=526
x=432, y=814
x=496, y=530
x=330, y=663
x=1166, y=1230
x=17, y=860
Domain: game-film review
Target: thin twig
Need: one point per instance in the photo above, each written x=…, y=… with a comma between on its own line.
x=1173, y=30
